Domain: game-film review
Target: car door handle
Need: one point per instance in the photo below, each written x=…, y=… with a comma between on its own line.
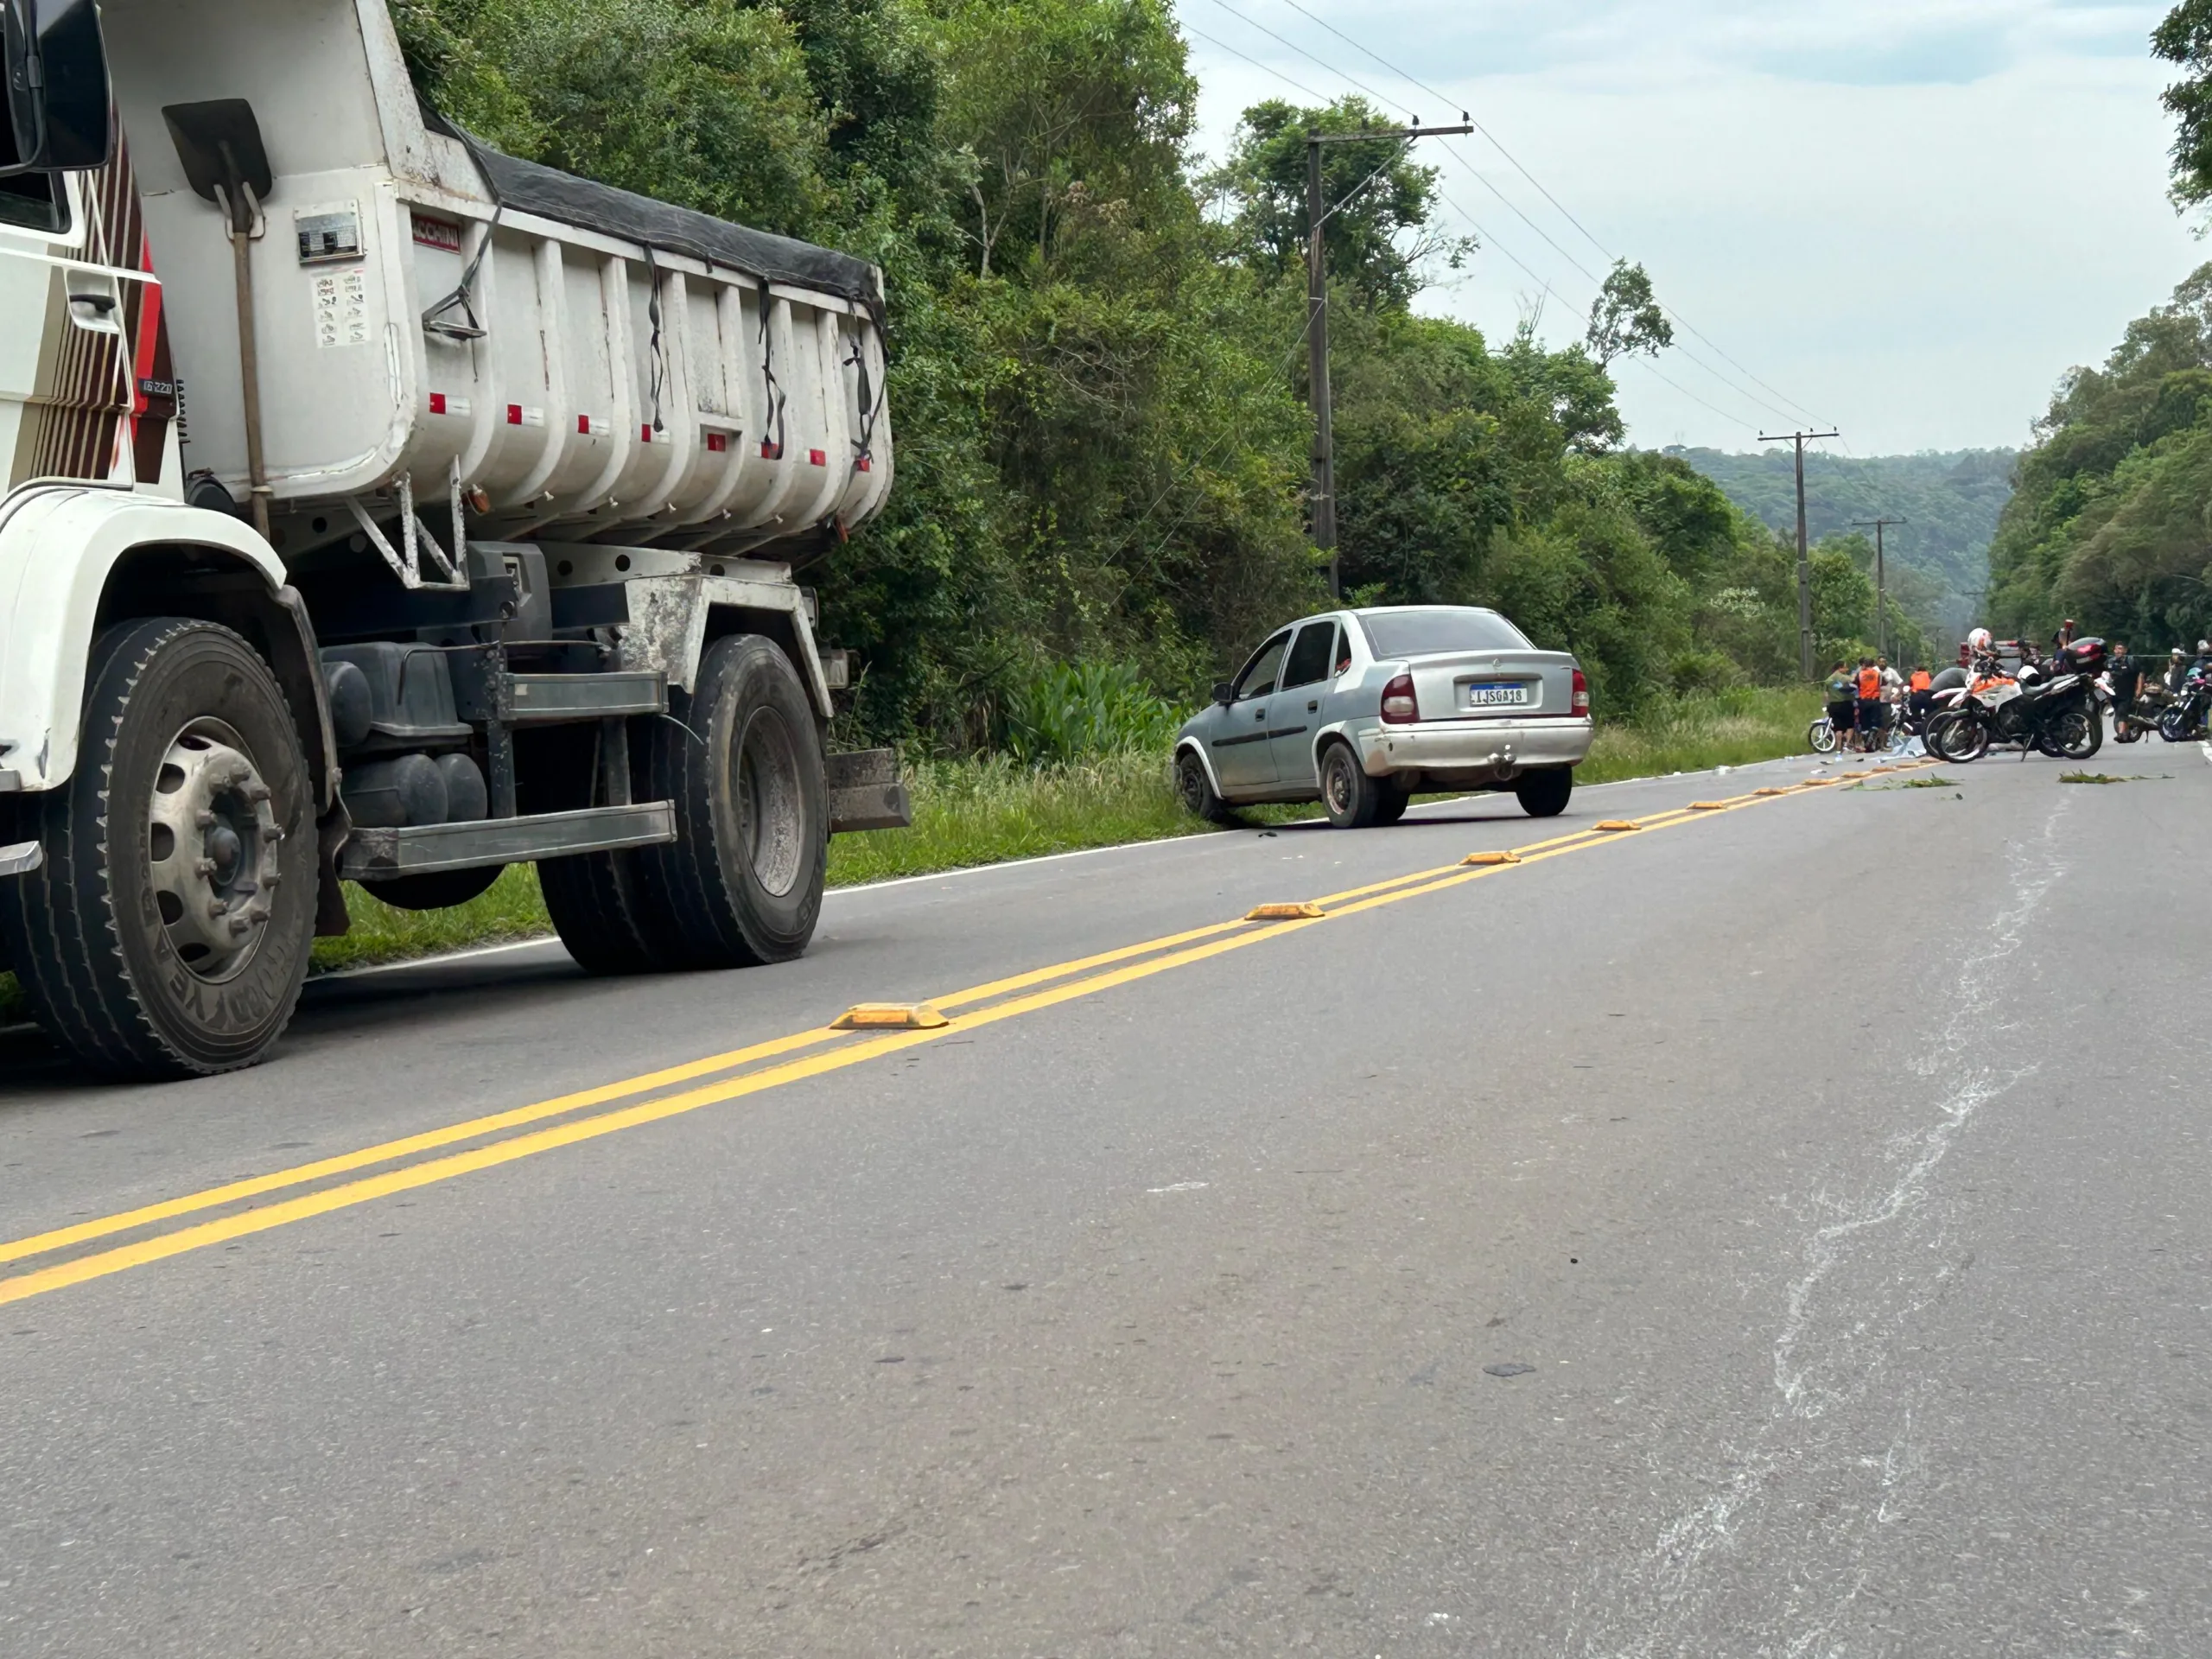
x=1260, y=714
x=1314, y=708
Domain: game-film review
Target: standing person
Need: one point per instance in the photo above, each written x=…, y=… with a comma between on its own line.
x=2125, y=676
x=1921, y=691
x=1842, y=693
x=2176, y=669
x=1868, y=714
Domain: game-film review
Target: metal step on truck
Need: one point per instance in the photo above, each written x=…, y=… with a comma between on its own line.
x=382, y=508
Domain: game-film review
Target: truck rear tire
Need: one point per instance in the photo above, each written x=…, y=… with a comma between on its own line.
x=742, y=760
x=168, y=932
x=605, y=915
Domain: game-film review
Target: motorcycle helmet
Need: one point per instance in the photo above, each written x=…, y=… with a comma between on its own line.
x=1978, y=639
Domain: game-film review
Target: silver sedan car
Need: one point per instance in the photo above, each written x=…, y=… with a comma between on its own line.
x=1362, y=710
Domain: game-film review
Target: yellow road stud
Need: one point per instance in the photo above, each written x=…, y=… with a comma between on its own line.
x=1614, y=826
x=1492, y=858
x=1305, y=912
x=889, y=1016
x=1708, y=806
x=1770, y=789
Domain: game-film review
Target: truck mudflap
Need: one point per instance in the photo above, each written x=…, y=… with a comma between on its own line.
x=865, y=792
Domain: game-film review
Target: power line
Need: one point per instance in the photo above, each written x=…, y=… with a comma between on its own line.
x=1253, y=22
x=1264, y=68
x=1478, y=127
x=1515, y=161
x=1482, y=179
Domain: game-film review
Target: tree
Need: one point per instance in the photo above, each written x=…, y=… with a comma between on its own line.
x=1626, y=321
x=2185, y=38
x=1378, y=200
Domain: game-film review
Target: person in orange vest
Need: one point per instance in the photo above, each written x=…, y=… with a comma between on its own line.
x=1921, y=690
x=1870, y=705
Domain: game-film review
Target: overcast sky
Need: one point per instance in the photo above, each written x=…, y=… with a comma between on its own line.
x=1907, y=217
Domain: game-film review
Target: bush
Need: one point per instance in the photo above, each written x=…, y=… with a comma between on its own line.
x=1071, y=711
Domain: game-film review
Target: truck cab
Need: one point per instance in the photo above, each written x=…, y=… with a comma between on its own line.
x=381, y=508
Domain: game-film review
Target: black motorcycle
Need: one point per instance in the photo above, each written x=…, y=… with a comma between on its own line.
x=2184, y=717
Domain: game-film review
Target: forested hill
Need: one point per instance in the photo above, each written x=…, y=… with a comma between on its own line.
x=1953, y=501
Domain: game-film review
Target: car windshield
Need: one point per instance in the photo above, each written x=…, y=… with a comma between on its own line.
x=1422, y=633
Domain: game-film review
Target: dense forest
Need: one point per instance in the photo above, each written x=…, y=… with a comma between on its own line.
x=1950, y=504
x=1098, y=350
x=2111, y=521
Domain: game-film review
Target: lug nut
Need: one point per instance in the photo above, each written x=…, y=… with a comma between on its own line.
x=203, y=867
x=204, y=818
x=257, y=793
x=215, y=909
x=240, y=926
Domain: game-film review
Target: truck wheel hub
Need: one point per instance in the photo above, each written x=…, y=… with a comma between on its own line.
x=211, y=850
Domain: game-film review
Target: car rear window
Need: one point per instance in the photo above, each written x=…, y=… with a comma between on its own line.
x=1422, y=633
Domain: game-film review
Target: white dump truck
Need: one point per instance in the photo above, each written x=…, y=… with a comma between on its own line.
x=382, y=508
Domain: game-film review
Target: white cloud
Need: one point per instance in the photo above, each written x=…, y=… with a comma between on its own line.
x=1909, y=215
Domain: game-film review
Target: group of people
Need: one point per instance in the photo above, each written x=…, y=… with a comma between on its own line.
x=1863, y=702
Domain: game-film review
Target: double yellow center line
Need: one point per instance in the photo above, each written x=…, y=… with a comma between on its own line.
x=570, y=1118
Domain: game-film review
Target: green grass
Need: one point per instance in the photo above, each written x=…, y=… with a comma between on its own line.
x=989, y=810
x=1728, y=728
x=512, y=908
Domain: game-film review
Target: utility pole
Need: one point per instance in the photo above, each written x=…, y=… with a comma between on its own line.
x=1317, y=326
x=1804, y=552
x=1881, y=612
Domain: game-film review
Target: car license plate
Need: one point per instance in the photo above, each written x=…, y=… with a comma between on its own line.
x=1497, y=694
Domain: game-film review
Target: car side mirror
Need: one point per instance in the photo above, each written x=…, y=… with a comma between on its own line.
x=54, y=69
x=1223, y=692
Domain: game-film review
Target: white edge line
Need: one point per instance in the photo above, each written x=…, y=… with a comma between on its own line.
x=985, y=869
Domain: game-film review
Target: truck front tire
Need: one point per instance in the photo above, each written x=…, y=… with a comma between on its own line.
x=742, y=761
x=168, y=930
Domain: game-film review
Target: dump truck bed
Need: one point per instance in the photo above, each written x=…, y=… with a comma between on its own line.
x=579, y=362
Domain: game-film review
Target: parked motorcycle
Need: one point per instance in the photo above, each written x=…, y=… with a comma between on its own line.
x=2184, y=718
x=2054, y=710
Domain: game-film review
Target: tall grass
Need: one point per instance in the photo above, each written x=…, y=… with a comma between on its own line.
x=1068, y=712
x=993, y=808
x=1723, y=728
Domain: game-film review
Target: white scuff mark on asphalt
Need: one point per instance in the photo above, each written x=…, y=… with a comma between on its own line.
x=1181, y=1187
x=1826, y=1357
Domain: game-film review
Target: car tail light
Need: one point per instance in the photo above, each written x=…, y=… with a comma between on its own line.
x=1581, y=701
x=1398, y=706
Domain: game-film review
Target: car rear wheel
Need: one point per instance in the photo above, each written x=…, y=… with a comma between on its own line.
x=1545, y=794
x=1353, y=800
x=1392, y=806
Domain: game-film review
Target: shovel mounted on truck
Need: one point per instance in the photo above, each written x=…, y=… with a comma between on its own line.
x=381, y=508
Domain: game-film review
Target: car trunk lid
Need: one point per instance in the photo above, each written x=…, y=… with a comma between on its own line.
x=1493, y=684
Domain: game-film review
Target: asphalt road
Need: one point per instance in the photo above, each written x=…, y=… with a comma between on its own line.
x=1779, y=1230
